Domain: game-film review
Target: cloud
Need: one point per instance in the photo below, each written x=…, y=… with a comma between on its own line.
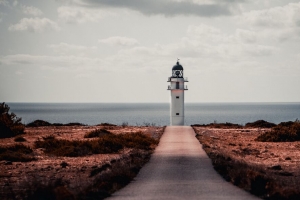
x=7, y=3
x=70, y=49
x=80, y=14
x=30, y=10
x=4, y=2
x=1, y=16
x=119, y=41
x=246, y=35
x=279, y=23
x=210, y=42
x=55, y=62
x=276, y=17
x=164, y=7
x=34, y=25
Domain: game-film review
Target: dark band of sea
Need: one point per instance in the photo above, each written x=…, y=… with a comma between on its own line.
x=155, y=113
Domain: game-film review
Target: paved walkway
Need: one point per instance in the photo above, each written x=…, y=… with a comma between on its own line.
x=180, y=169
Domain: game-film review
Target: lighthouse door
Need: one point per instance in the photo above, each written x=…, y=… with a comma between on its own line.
x=177, y=85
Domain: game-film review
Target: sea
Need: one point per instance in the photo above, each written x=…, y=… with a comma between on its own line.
x=156, y=114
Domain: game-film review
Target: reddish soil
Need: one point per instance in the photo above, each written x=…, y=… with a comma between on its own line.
x=268, y=169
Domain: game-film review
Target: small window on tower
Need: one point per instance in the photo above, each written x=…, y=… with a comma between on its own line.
x=177, y=97
x=177, y=113
x=177, y=85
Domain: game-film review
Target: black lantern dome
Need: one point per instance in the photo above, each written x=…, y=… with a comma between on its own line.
x=177, y=70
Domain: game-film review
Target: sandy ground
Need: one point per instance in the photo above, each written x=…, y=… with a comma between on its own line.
x=49, y=168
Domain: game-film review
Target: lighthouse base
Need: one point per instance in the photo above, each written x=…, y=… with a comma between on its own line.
x=177, y=121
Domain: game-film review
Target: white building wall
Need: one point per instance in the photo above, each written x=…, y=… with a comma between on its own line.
x=177, y=102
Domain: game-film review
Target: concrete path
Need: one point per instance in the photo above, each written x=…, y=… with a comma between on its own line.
x=180, y=169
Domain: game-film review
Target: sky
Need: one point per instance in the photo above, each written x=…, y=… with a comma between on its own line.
x=124, y=50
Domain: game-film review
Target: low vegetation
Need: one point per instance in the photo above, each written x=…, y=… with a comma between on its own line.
x=19, y=139
x=97, y=133
x=219, y=125
x=39, y=123
x=16, y=153
x=96, y=181
x=10, y=124
x=267, y=182
x=256, y=124
x=253, y=178
x=283, y=132
x=122, y=173
x=106, y=179
x=260, y=124
x=107, y=143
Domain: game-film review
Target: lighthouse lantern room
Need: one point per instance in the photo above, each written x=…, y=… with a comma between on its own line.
x=177, y=88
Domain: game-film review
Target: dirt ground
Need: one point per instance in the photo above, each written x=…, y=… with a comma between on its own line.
x=73, y=171
x=268, y=169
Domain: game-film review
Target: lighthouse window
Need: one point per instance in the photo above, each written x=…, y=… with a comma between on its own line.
x=177, y=85
x=177, y=97
x=177, y=113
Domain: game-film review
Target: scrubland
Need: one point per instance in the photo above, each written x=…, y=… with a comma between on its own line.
x=261, y=157
x=73, y=161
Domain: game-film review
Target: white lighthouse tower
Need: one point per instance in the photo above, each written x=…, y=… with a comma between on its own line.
x=177, y=95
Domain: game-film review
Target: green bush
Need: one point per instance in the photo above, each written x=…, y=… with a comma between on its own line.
x=97, y=133
x=284, y=132
x=10, y=124
x=108, y=143
x=16, y=153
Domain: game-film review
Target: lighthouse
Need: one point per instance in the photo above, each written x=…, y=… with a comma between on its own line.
x=177, y=88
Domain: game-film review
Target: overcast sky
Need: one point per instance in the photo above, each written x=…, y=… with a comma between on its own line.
x=124, y=50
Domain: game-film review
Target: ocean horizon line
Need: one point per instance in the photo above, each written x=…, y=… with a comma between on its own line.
x=215, y=102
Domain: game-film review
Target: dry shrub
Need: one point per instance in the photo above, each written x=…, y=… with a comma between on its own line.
x=69, y=148
x=138, y=140
x=260, y=124
x=39, y=122
x=16, y=153
x=20, y=139
x=108, y=143
x=47, y=190
x=219, y=125
x=97, y=133
x=284, y=132
x=120, y=173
